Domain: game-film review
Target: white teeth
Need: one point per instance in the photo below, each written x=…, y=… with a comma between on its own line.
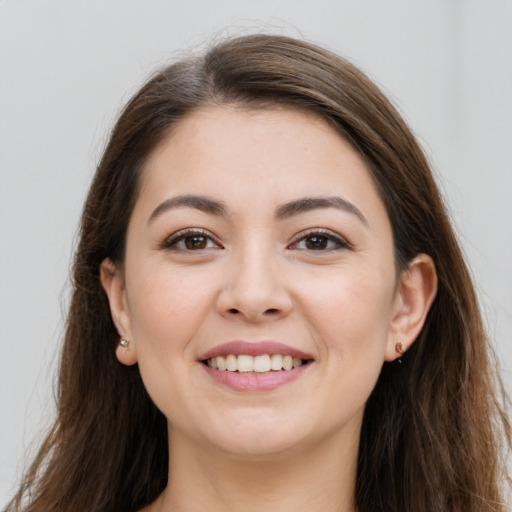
x=245, y=363
x=276, y=362
x=258, y=364
x=231, y=363
x=262, y=363
x=221, y=363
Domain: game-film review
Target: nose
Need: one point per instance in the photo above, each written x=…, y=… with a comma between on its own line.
x=254, y=289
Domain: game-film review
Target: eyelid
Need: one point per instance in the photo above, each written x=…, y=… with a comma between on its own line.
x=342, y=242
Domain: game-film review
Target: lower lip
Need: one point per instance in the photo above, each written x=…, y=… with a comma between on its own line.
x=254, y=382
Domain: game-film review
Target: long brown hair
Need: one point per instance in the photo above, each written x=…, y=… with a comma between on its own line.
x=434, y=431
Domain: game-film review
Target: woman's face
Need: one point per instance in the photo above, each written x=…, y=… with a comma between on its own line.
x=258, y=238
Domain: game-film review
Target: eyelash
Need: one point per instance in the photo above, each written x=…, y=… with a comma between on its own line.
x=327, y=236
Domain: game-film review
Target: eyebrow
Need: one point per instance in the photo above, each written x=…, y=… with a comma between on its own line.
x=202, y=203
x=307, y=204
x=286, y=210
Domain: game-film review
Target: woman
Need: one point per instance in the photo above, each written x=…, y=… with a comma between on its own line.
x=270, y=308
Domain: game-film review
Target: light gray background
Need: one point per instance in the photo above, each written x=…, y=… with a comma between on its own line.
x=66, y=67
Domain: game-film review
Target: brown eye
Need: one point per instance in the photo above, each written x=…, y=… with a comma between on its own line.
x=190, y=241
x=319, y=241
x=316, y=243
x=196, y=242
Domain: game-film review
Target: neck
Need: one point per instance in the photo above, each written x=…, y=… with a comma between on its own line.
x=201, y=479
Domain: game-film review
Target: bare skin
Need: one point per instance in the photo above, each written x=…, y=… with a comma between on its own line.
x=302, y=481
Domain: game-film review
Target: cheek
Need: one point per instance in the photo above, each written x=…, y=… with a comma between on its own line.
x=167, y=307
x=167, y=311
x=351, y=313
x=351, y=323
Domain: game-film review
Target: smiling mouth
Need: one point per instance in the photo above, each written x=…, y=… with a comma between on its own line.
x=248, y=364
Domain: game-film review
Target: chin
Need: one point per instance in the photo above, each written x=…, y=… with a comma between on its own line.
x=259, y=436
x=259, y=447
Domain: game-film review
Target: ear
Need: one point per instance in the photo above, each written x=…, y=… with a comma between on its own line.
x=112, y=280
x=415, y=294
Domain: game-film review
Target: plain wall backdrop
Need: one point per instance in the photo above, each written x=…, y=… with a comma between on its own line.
x=67, y=66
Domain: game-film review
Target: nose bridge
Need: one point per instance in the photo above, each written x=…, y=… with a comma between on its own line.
x=255, y=286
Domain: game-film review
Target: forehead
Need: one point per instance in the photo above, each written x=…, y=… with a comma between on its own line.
x=274, y=155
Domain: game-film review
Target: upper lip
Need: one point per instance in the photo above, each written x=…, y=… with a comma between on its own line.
x=253, y=348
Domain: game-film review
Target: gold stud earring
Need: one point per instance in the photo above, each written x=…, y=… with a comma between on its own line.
x=401, y=350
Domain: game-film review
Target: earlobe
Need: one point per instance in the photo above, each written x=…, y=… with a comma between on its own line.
x=415, y=294
x=112, y=281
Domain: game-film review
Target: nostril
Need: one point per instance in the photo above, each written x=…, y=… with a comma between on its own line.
x=272, y=311
x=233, y=310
